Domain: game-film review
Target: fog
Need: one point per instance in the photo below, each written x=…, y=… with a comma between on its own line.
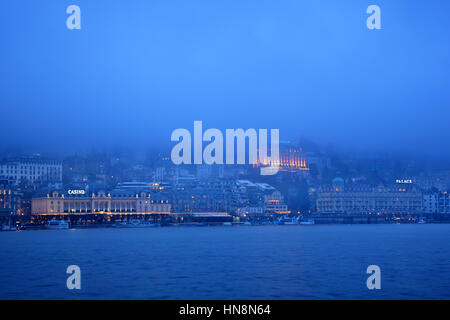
x=138, y=70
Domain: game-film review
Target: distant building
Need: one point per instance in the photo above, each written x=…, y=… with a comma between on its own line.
x=260, y=195
x=250, y=211
x=203, y=196
x=159, y=174
x=290, y=159
x=31, y=170
x=320, y=161
x=436, y=180
x=13, y=201
x=274, y=203
x=430, y=203
x=438, y=202
x=354, y=199
x=8, y=201
x=444, y=202
x=204, y=171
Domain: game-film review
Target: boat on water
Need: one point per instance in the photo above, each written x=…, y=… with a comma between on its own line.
x=286, y=221
x=421, y=221
x=295, y=221
x=135, y=223
x=55, y=224
x=307, y=222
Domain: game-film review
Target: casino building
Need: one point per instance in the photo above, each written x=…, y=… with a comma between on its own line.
x=119, y=201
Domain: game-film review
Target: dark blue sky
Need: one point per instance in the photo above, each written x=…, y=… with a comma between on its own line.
x=137, y=70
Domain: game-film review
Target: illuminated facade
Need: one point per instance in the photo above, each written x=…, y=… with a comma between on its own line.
x=290, y=159
x=115, y=202
x=274, y=203
x=366, y=199
x=8, y=203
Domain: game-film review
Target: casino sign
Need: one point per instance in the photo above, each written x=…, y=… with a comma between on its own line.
x=71, y=191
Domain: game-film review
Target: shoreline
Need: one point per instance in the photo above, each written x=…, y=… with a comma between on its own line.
x=203, y=225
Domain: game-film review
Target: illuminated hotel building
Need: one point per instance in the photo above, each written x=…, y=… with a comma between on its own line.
x=290, y=159
x=367, y=199
x=115, y=202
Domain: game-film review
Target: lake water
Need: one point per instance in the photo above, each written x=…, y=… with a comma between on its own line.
x=254, y=262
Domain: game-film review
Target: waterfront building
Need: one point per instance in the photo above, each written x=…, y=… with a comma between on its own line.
x=204, y=196
x=13, y=202
x=118, y=201
x=356, y=199
x=430, y=203
x=250, y=211
x=443, y=202
x=8, y=202
x=31, y=170
x=437, y=202
x=255, y=195
x=274, y=203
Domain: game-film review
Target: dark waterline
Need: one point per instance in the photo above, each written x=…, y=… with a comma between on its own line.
x=273, y=262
